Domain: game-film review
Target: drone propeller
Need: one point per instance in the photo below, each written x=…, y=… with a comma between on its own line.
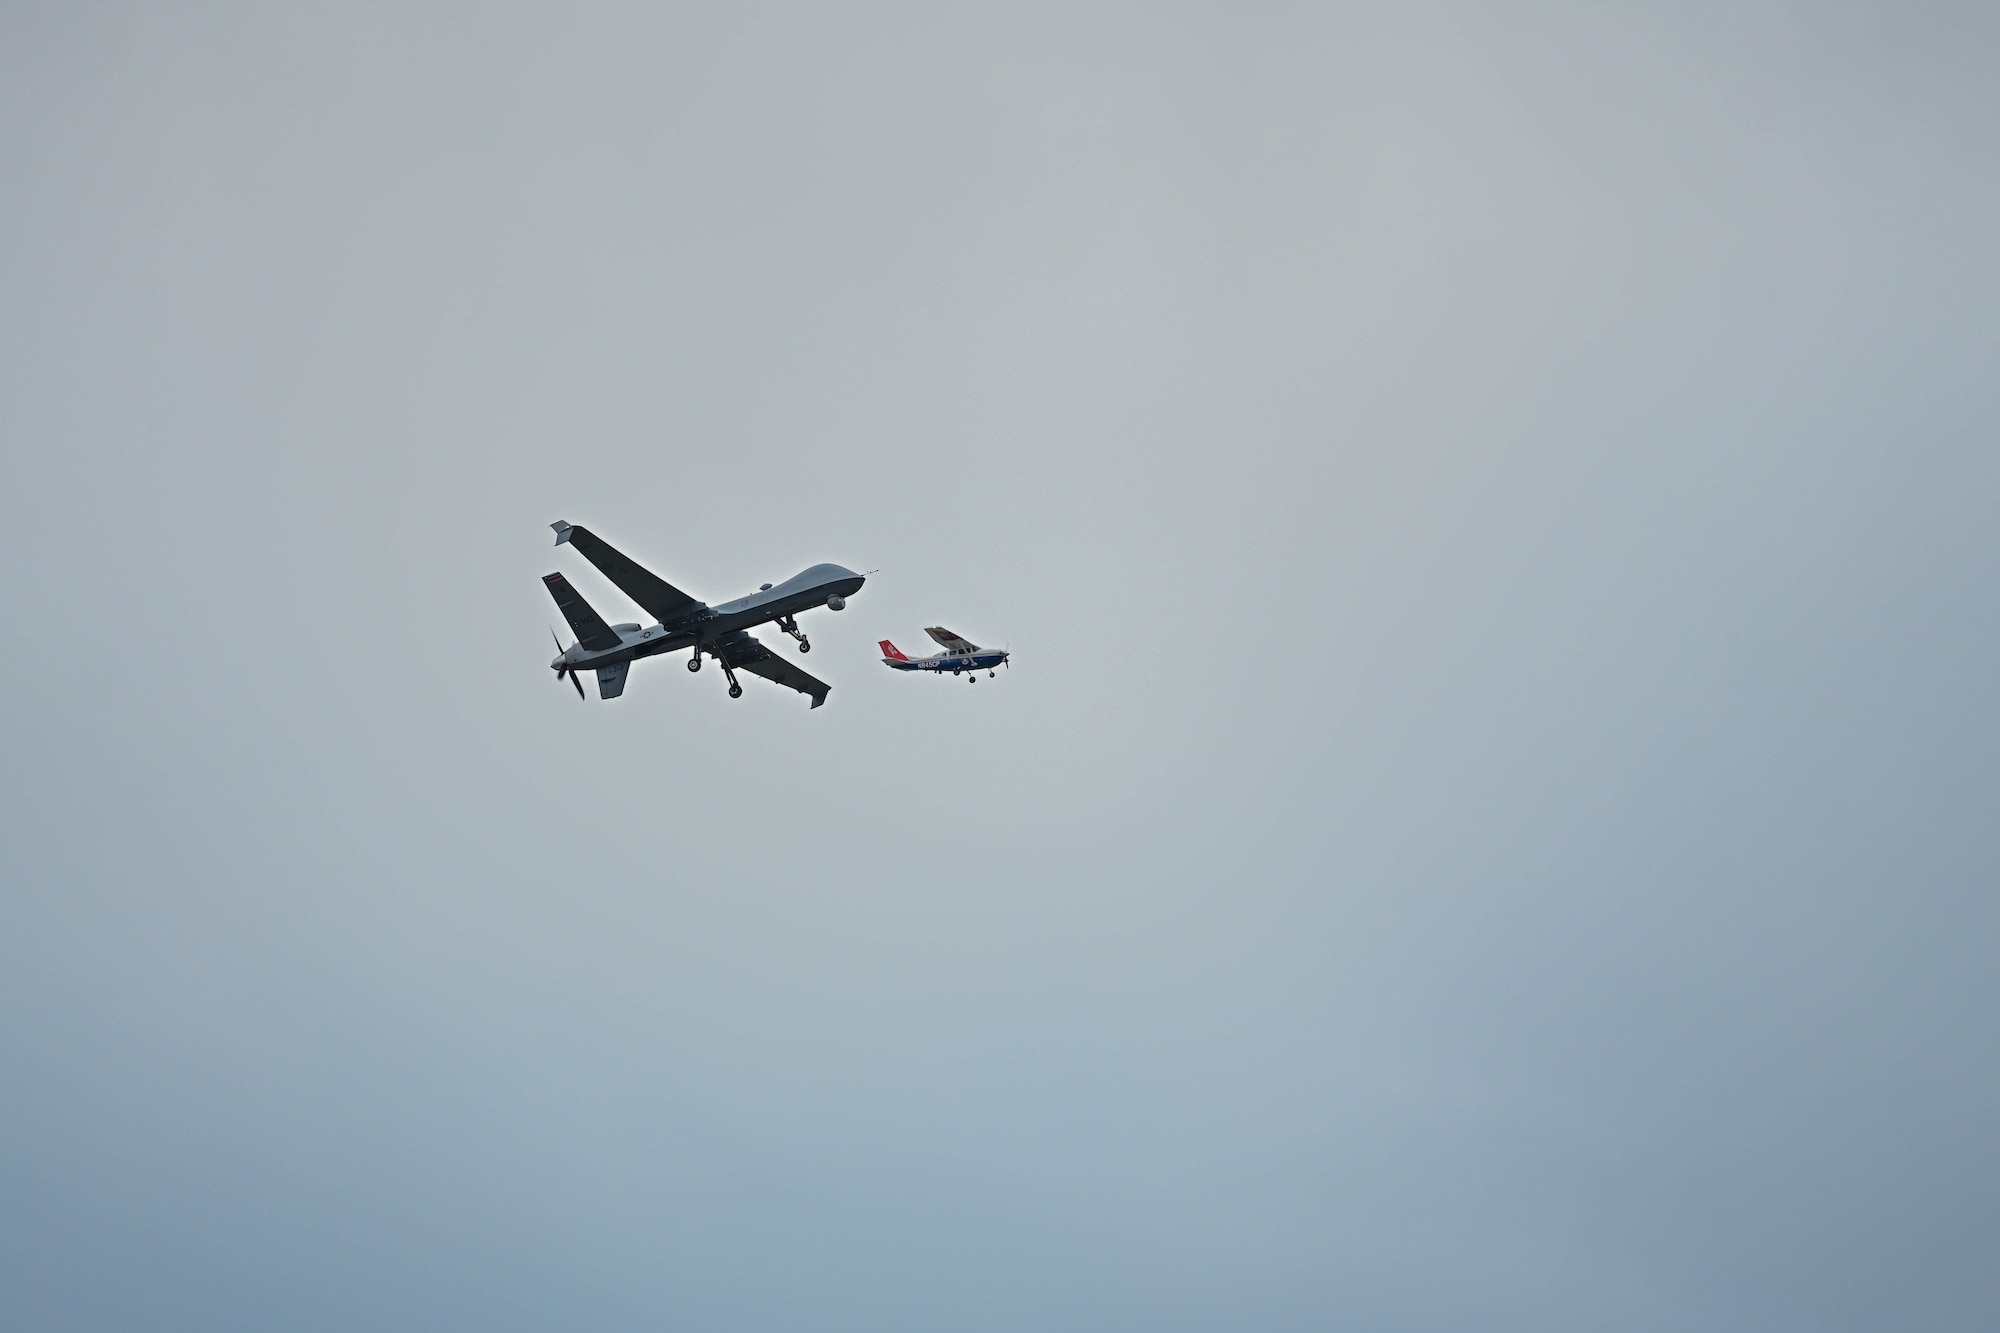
x=564, y=668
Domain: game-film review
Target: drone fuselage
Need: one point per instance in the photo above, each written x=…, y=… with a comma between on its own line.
x=822, y=585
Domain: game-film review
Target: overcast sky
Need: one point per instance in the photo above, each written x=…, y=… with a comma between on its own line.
x=1491, y=823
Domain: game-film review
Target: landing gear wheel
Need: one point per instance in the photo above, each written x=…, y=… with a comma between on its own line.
x=736, y=691
x=805, y=645
x=694, y=663
x=972, y=679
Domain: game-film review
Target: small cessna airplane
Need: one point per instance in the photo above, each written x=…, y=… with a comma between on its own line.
x=682, y=622
x=959, y=656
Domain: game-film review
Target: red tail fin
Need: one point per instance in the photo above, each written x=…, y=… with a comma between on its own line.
x=891, y=650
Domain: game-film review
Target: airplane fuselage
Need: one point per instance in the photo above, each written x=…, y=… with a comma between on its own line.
x=986, y=659
x=822, y=585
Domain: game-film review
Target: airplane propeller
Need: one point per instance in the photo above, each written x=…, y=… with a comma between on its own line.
x=564, y=669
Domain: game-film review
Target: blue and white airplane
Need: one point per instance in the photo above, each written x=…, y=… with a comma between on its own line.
x=682, y=622
x=959, y=656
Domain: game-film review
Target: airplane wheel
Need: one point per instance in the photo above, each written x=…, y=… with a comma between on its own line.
x=991, y=674
x=694, y=664
x=805, y=645
x=736, y=691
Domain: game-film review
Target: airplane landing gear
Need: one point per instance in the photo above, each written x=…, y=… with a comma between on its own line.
x=790, y=625
x=735, y=691
x=694, y=663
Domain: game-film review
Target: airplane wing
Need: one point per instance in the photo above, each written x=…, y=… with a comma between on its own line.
x=950, y=642
x=744, y=653
x=611, y=680
x=662, y=600
x=591, y=631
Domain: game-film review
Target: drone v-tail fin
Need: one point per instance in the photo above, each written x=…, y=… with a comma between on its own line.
x=591, y=631
x=611, y=680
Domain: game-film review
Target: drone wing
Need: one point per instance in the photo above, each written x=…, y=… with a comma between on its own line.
x=745, y=653
x=662, y=600
x=950, y=642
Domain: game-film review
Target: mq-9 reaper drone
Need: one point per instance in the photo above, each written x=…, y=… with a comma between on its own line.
x=682, y=622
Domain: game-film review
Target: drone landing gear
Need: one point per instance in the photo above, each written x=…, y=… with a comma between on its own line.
x=694, y=663
x=790, y=625
x=735, y=690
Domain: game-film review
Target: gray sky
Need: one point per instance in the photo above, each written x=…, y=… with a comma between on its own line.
x=1491, y=824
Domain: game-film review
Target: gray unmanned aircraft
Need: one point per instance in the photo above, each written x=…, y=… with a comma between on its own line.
x=683, y=622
